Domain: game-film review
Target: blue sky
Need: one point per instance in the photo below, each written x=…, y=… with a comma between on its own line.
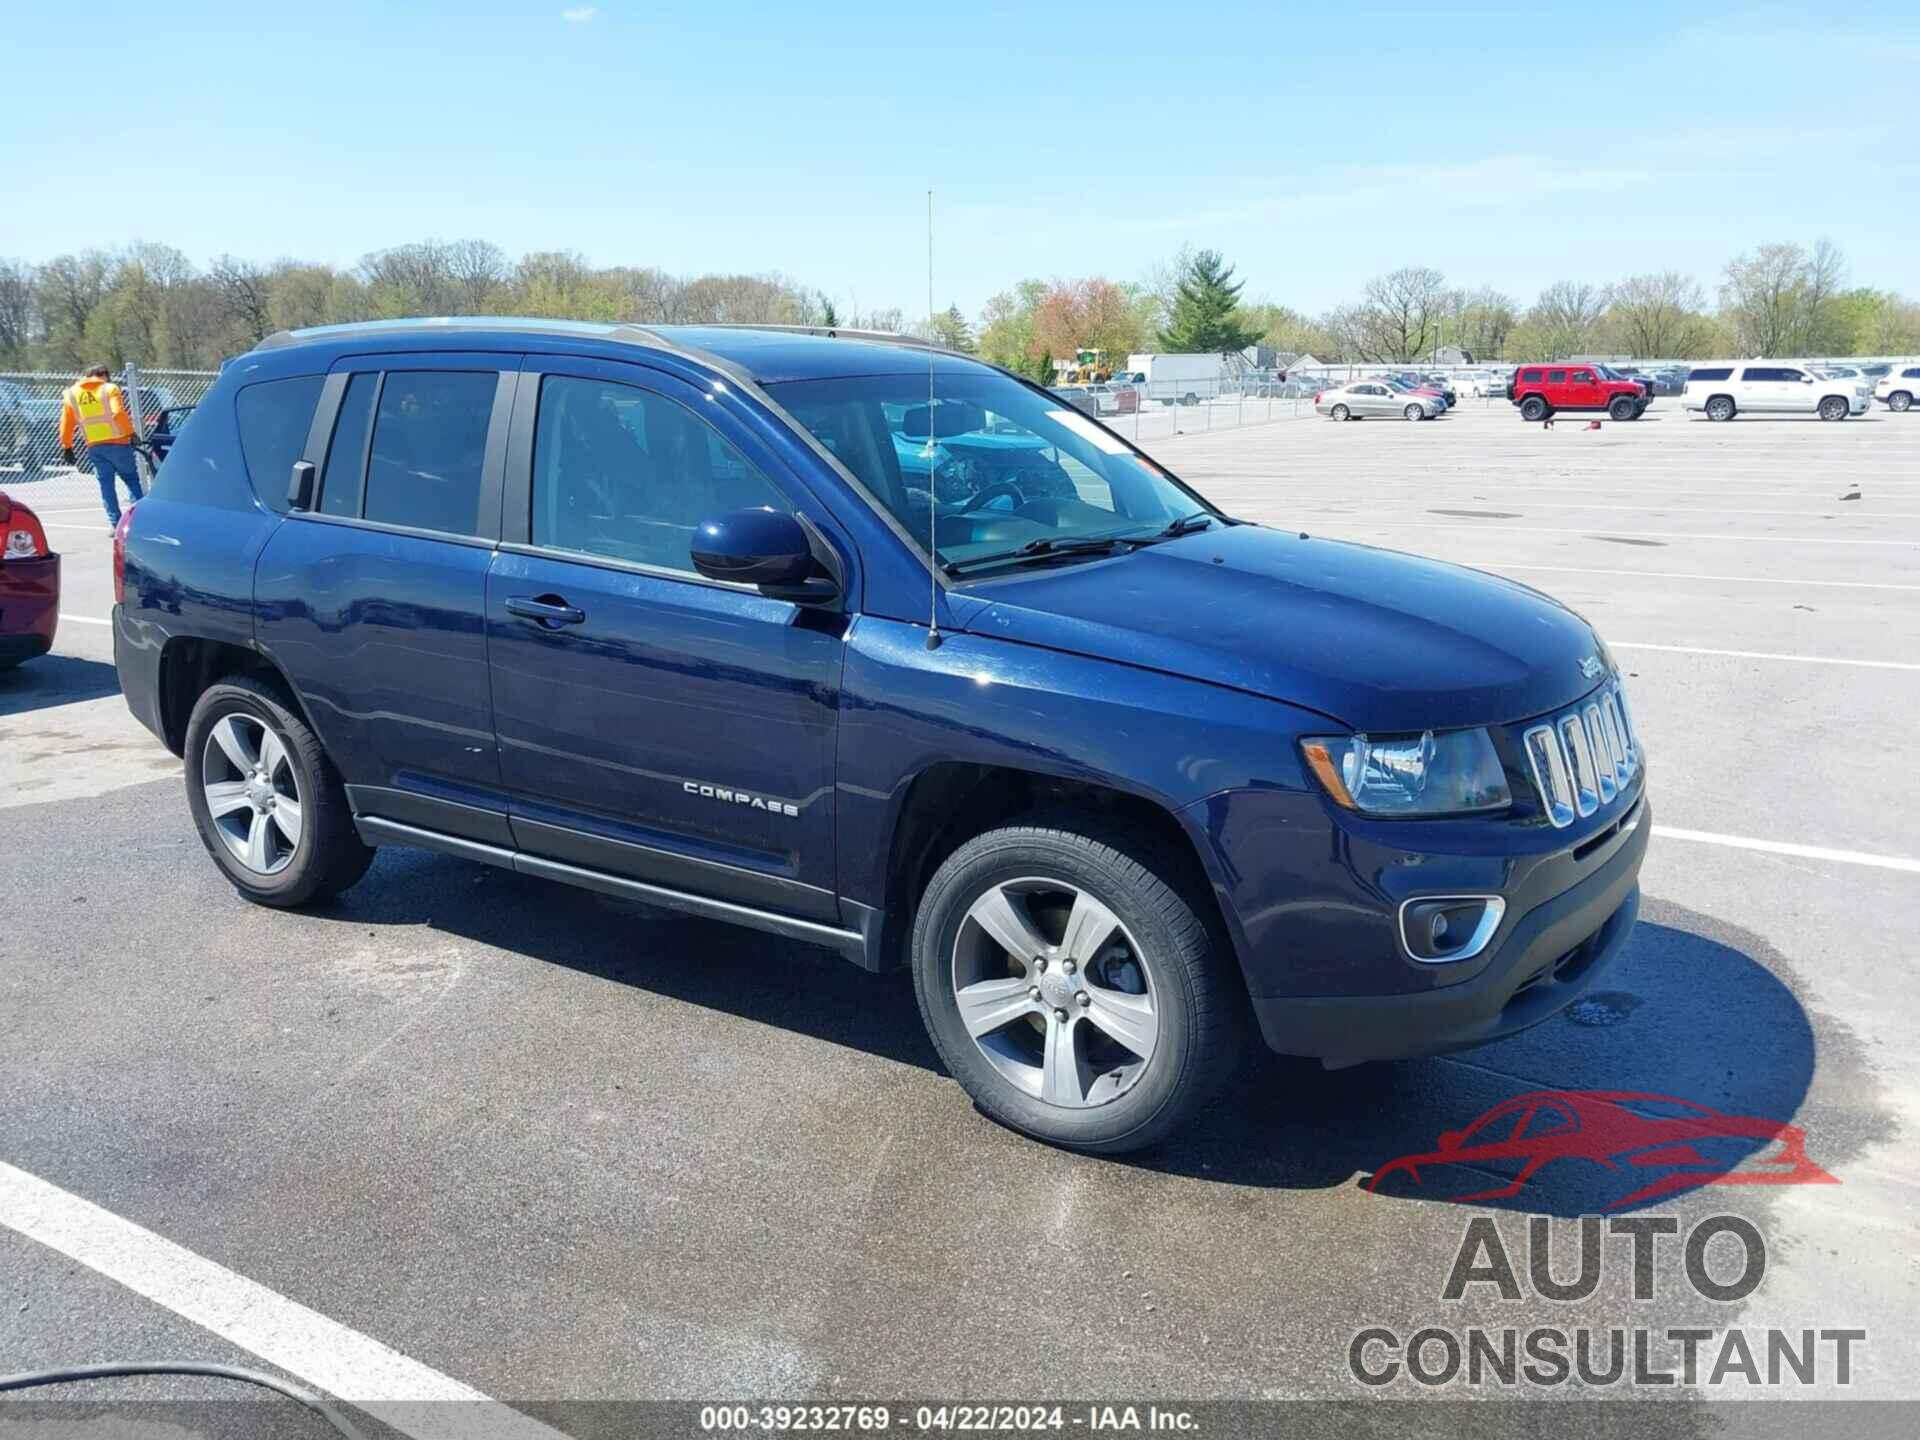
x=1510, y=146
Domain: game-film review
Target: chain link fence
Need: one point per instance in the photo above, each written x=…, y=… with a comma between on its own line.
x=31, y=467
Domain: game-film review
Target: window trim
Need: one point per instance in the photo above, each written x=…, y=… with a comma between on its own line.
x=516, y=518
x=506, y=370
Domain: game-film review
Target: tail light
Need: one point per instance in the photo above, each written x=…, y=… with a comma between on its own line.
x=120, y=555
x=24, y=537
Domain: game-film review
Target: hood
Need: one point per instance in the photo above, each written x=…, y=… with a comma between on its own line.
x=1378, y=640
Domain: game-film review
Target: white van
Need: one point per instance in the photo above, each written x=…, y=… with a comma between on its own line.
x=1770, y=388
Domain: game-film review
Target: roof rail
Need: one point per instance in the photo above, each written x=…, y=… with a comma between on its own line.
x=844, y=332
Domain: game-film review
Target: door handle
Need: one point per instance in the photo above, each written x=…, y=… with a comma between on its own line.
x=548, y=610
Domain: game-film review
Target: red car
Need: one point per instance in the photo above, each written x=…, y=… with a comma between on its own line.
x=29, y=585
x=1616, y=1128
x=1540, y=390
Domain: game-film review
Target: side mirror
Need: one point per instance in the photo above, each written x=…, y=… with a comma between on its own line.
x=769, y=549
x=300, y=485
x=1806, y=379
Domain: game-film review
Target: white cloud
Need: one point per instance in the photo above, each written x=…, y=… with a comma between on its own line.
x=580, y=14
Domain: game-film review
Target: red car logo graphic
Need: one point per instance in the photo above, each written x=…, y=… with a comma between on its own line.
x=1616, y=1129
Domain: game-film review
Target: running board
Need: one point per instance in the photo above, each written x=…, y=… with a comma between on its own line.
x=376, y=831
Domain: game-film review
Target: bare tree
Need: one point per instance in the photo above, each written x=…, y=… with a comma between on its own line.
x=1763, y=296
x=246, y=292
x=19, y=315
x=478, y=270
x=1565, y=316
x=1658, y=316
x=1397, y=318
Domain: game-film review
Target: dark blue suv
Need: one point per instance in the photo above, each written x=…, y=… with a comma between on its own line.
x=883, y=649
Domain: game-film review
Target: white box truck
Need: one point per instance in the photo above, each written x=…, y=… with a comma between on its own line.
x=1178, y=379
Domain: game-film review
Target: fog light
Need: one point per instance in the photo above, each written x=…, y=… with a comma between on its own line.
x=1436, y=929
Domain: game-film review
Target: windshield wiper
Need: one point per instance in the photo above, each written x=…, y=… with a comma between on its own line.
x=1185, y=525
x=1045, y=547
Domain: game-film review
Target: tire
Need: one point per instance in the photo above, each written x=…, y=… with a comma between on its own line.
x=1720, y=407
x=1900, y=400
x=1534, y=408
x=1414, y=412
x=1833, y=407
x=1624, y=409
x=267, y=861
x=1163, y=981
x=1190, y=398
x=1340, y=412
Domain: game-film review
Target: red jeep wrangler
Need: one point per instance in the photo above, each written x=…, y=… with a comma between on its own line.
x=1539, y=390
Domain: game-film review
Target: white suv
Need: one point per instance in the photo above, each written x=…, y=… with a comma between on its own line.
x=1764, y=388
x=1900, y=388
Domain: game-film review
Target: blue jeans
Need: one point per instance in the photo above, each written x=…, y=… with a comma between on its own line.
x=109, y=461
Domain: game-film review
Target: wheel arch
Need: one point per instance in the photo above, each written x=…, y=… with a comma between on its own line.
x=190, y=664
x=949, y=802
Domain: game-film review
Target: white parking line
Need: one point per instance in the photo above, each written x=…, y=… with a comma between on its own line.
x=1497, y=565
x=1593, y=530
x=1780, y=847
x=82, y=619
x=304, y=1343
x=1764, y=655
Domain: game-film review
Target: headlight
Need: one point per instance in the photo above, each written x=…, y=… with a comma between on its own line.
x=1427, y=774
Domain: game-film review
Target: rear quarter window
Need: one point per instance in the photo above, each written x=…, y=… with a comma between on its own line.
x=1530, y=377
x=273, y=417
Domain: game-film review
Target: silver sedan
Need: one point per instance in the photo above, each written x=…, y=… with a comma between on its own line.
x=1364, y=399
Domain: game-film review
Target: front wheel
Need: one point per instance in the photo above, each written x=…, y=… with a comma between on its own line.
x=1340, y=412
x=1414, y=412
x=1900, y=400
x=1834, y=407
x=1190, y=398
x=1533, y=408
x=1720, y=407
x=1074, y=993
x=268, y=804
x=1624, y=409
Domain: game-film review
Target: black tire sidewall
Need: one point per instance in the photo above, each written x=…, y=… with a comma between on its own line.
x=306, y=873
x=1624, y=410
x=1171, y=1084
x=1533, y=408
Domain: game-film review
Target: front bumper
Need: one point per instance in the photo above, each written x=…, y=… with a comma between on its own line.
x=1545, y=958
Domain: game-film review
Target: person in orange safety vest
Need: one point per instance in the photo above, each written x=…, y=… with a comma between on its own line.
x=95, y=407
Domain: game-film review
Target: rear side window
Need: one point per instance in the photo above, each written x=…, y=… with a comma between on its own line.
x=429, y=441
x=1556, y=377
x=273, y=418
x=1723, y=373
x=1913, y=374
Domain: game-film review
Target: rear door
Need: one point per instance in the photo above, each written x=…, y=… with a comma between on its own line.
x=373, y=601
x=653, y=723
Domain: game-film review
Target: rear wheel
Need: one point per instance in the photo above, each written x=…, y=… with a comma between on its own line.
x=1075, y=994
x=1340, y=412
x=268, y=803
x=1533, y=408
x=1624, y=408
x=1190, y=398
x=1900, y=400
x=1834, y=407
x=1720, y=407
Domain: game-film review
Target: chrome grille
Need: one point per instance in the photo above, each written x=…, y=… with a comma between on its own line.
x=1586, y=757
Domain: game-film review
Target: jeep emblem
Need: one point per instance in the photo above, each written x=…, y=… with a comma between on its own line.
x=1591, y=667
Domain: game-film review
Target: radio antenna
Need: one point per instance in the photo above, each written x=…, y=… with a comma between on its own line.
x=933, y=490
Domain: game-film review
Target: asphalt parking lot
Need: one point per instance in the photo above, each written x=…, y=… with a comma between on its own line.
x=552, y=1146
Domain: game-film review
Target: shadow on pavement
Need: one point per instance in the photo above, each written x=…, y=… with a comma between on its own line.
x=1681, y=1015
x=54, y=680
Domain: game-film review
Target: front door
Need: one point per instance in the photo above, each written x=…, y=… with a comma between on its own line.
x=1583, y=390
x=653, y=723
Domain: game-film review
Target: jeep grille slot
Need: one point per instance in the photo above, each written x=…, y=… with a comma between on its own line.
x=1584, y=759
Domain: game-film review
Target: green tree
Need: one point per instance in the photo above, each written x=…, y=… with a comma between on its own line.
x=950, y=329
x=1206, y=317
x=829, y=317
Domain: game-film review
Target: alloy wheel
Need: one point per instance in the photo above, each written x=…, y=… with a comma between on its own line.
x=1055, y=992
x=252, y=792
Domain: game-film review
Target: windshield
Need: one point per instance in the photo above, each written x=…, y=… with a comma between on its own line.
x=1004, y=466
